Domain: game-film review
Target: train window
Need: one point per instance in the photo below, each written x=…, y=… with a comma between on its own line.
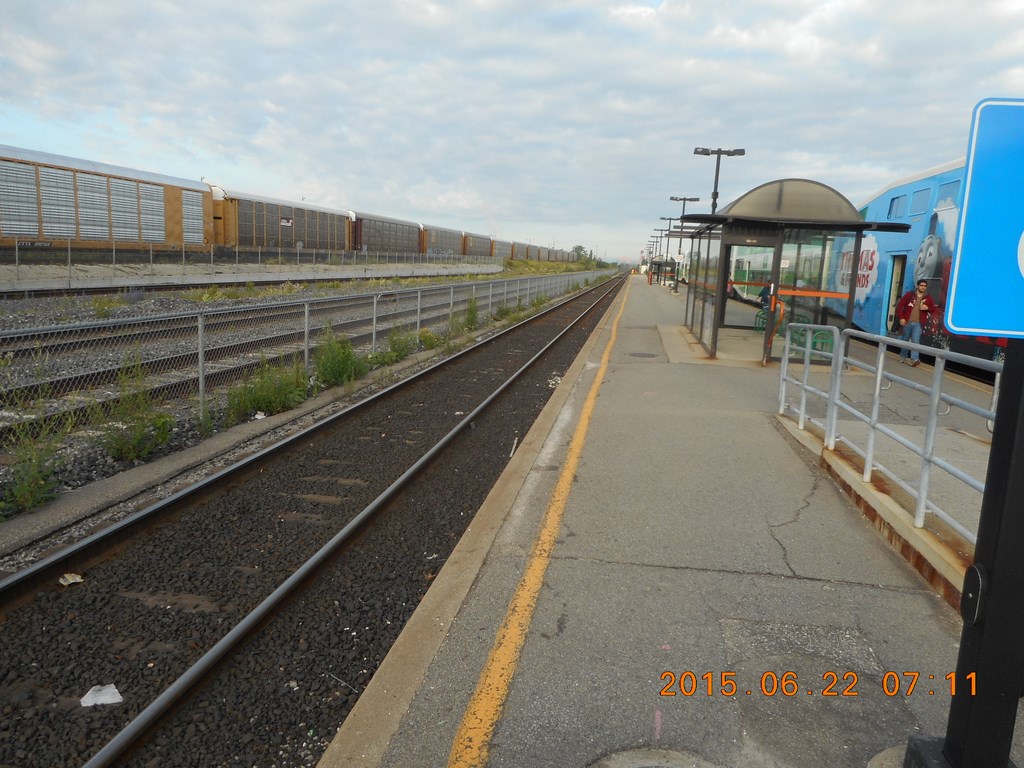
x=897, y=207
x=919, y=202
x=948, y=194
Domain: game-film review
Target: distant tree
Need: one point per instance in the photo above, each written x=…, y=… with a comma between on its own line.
x=585, y=258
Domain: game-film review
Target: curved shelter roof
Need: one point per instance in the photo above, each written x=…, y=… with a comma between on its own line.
x=793, y=202
x=793, y=199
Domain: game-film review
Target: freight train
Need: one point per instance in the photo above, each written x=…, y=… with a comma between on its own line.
x=52, y=201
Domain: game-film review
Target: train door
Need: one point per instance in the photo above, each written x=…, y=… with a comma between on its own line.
x=897, y=271
x=357, y=234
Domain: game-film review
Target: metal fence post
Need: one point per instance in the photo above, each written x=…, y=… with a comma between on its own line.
x=876, y=399
x=373, y=337
x=928, y=449
x=201, y=329
x=419, y=310
x=305, y=343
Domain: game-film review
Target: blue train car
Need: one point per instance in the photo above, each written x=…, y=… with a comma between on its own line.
x=889, y=263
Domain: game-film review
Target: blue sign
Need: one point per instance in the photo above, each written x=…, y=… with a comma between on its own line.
x=986, y=288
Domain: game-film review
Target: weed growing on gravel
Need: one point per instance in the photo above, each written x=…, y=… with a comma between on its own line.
x=510, y=315
x=400, y=346
x=104, y=306
x=133, y=429
x=232, y=292
x=33, y=446
x=502, y=312
x=429, y=339
x=335, y=362
x=472, y=315
x=205, y=422
x=272, y=389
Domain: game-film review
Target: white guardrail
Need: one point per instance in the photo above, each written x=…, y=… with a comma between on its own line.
x=861, y=401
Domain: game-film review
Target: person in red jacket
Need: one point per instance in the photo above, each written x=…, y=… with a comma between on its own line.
x=913, y=311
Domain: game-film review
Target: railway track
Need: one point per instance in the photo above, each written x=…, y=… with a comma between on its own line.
x=65, y=372
x=166, y=593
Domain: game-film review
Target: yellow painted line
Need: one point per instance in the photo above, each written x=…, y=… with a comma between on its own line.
x=473, y=739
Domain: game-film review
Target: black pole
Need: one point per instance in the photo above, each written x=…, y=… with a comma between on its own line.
x=681, y=225
x=990, y=666
x=714, y=193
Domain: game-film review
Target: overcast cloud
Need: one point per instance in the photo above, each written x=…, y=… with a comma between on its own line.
x=554, y=123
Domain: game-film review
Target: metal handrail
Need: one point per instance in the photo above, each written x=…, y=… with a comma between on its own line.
x=841, y=362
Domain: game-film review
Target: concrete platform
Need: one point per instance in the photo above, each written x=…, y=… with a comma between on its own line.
x=659, y=542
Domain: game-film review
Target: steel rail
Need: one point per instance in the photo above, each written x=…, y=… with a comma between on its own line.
x=162, y=705
x=39, y=572
x=360, y=334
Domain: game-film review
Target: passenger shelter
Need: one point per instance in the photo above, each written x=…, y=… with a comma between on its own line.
x=791, y=250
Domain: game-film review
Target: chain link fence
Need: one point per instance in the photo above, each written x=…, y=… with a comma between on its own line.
x=54, y=254
x=81, y=371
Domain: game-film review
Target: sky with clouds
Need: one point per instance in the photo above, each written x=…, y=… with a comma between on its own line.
x=556, y=123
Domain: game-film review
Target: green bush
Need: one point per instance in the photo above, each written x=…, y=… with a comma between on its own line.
x=272, y=389
x=33, y=446
x=335, y=362
x=472, y=315
x=502, y=312
x=104, y=306
x=132, y=429
x=400, y=346
x=429, y=339
x=137, y=437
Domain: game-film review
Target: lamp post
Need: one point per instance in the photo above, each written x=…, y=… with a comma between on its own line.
x=718, y=164
x=668, y=232
x=684, y=201
x=659, y=230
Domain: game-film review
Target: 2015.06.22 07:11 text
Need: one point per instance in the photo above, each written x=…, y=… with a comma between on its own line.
x=788, y=684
